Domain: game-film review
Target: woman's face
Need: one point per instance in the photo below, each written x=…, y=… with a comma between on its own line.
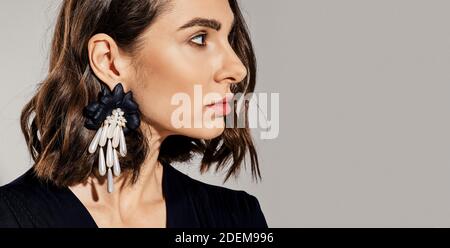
x=183, y=66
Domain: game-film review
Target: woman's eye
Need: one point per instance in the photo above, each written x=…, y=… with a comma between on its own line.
x=199, y=40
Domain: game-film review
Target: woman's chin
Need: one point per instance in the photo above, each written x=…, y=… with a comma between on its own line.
x=211, y=133
x=204, y=133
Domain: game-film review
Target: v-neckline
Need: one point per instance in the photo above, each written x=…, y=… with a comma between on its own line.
x=90, y=219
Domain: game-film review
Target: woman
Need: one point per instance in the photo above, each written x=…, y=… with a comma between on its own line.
x=103, y=131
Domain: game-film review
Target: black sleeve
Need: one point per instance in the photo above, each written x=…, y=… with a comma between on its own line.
x=7, y=217
x=257, y=219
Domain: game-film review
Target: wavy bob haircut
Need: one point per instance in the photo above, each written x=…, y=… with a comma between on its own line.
x=53, y=122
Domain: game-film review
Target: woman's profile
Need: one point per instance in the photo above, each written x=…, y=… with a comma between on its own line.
x=120, y=104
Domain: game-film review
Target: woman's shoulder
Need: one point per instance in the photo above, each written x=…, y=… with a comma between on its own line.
x=215, y=200
x=202, y=189
x=27, y=186
x=28, y=201
x=16, y=197
x=22, y=184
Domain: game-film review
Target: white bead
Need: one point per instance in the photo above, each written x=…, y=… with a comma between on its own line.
x=101, y=162
x=103, y=137
x=116, y=167
x=116, y=137
x=110, y=181
x=95, y=140
x=111, y=128
x=122, y=145
x=109, y=155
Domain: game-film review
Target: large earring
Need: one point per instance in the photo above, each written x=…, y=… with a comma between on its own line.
x=113, y=115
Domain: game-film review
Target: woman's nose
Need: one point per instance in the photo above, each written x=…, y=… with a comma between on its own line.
x=232, y=69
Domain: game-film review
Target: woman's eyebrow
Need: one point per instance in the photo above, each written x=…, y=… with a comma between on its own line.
x=203, y=22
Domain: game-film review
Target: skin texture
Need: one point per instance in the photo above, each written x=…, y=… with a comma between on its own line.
x=170, y=61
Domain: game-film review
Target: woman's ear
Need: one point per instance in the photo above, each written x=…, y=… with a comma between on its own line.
x=106, y=60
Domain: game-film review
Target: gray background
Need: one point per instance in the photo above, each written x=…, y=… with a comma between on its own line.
x=364, y=120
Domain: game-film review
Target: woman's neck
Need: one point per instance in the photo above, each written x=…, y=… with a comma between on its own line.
x=127, y=196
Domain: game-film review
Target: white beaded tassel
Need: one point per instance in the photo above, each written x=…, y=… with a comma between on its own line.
x=110, y=134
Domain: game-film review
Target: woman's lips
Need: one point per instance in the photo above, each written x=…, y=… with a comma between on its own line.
x=222, y=107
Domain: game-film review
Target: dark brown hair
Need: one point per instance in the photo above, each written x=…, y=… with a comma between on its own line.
x=53, y=122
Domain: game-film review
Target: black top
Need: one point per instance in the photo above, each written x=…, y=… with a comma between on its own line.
x=29, y=202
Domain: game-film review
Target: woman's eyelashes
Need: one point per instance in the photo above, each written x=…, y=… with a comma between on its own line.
x=199, y=40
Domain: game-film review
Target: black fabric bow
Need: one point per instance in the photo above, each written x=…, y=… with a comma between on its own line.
x=96, y=112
